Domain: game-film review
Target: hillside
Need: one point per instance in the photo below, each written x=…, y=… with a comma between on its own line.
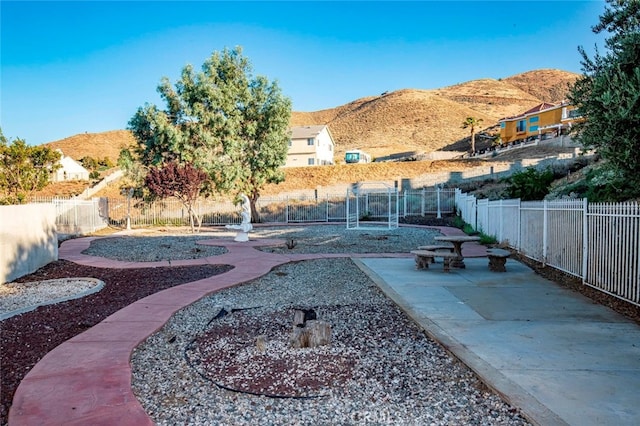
x=300, y=178
x=546, y=85
x=95, y=145
x=429, y=120
x=400, y=121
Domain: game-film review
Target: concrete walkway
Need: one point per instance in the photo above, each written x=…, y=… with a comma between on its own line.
x=552, y=353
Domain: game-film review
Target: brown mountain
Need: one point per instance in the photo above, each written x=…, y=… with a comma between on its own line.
x=400, y=121
x=95, y=145
x=429, y=120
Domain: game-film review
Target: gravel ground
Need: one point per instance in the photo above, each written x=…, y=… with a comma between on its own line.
x=152, y=248
x=379, y=369
x=27, y=337
x=205, y=368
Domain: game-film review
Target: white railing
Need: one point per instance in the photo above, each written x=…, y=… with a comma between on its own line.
x=600, y=243
x=76, y=216
x=328, y=208
x=613, y=232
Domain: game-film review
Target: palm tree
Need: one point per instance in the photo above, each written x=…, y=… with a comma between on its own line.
x=472, y=123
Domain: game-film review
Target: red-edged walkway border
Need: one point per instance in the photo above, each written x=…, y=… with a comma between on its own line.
x=87, y=379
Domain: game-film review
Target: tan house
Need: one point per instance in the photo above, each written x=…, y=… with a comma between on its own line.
x=544, y=120
x=310, y=146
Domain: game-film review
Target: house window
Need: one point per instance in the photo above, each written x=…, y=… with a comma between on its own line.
x=533, y=128
x=311, y=141
x=534, y=119
x=503, y=125
x=330, y=148
x=310, y=161
x=290, y=142
x=521, y=126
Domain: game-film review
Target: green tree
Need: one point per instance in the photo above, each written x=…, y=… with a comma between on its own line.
x=607, y=94
x=472, y=124
x=221, y=120
x=24, y=169
x=89, y=163
x=134, y=171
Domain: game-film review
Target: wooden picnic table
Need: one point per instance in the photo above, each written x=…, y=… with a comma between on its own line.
x=457, y=241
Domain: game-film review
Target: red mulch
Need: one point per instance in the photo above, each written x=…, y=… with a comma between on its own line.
x=28, y=337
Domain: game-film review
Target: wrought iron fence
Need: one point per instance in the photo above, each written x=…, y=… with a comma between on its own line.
x=597, y=242
x=80, y=217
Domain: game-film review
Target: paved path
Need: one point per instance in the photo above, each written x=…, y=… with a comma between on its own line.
x=87, y=379
x=551, y=352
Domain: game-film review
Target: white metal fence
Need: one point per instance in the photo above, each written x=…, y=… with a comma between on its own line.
x=598, y=242
x=75, y=216
x=81, y=217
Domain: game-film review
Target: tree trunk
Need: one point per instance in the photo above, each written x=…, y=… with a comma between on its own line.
x=255, y=215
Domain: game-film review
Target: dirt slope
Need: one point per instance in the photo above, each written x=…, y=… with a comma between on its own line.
x=547, y=85
x=95, y=145
x=429, y=120
x=400, y=121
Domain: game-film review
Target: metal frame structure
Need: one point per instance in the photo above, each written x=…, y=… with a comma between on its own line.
x=365, y=205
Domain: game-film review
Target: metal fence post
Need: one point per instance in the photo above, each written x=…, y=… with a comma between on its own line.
x=439, y=214
x=545, y=231
x=327, y=209
x=585, y=238
x=501, y=223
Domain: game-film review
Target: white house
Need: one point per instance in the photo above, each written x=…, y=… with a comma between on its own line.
x=70, y=170
x=310, y=146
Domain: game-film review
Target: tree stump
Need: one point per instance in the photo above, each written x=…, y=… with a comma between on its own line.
x=308, y=332
x=261, y=343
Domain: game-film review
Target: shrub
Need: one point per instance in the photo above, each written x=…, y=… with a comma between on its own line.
x=530, y=184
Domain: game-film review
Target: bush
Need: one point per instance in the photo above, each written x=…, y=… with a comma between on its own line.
x=530, y=184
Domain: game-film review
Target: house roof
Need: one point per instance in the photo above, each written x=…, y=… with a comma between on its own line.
x=538, y=108
x=304, y=132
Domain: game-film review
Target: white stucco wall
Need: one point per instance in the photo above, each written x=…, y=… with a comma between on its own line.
x=28, y=239
x=321, y=151
x=325, y=147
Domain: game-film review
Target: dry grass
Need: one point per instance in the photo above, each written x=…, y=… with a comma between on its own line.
x=312, y=177
x=430, y=120
x=408, y=120
x=95, y=145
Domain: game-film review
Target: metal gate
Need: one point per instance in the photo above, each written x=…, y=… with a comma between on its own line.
x=372, y=206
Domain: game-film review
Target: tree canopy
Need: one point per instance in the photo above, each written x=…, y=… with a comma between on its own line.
x=24, y=169
x=607, y=94
x=221, y=120
x=183, y=182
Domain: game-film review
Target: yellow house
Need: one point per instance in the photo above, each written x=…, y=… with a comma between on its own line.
x=540, y=122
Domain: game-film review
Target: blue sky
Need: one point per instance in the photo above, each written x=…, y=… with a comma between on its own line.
x=75, y=67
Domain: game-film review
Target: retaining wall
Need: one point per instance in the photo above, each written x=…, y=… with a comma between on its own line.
x=28, y=239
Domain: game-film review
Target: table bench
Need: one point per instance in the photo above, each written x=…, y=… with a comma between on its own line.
x=448, y=248
x=497, y=259
x=425, y=257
